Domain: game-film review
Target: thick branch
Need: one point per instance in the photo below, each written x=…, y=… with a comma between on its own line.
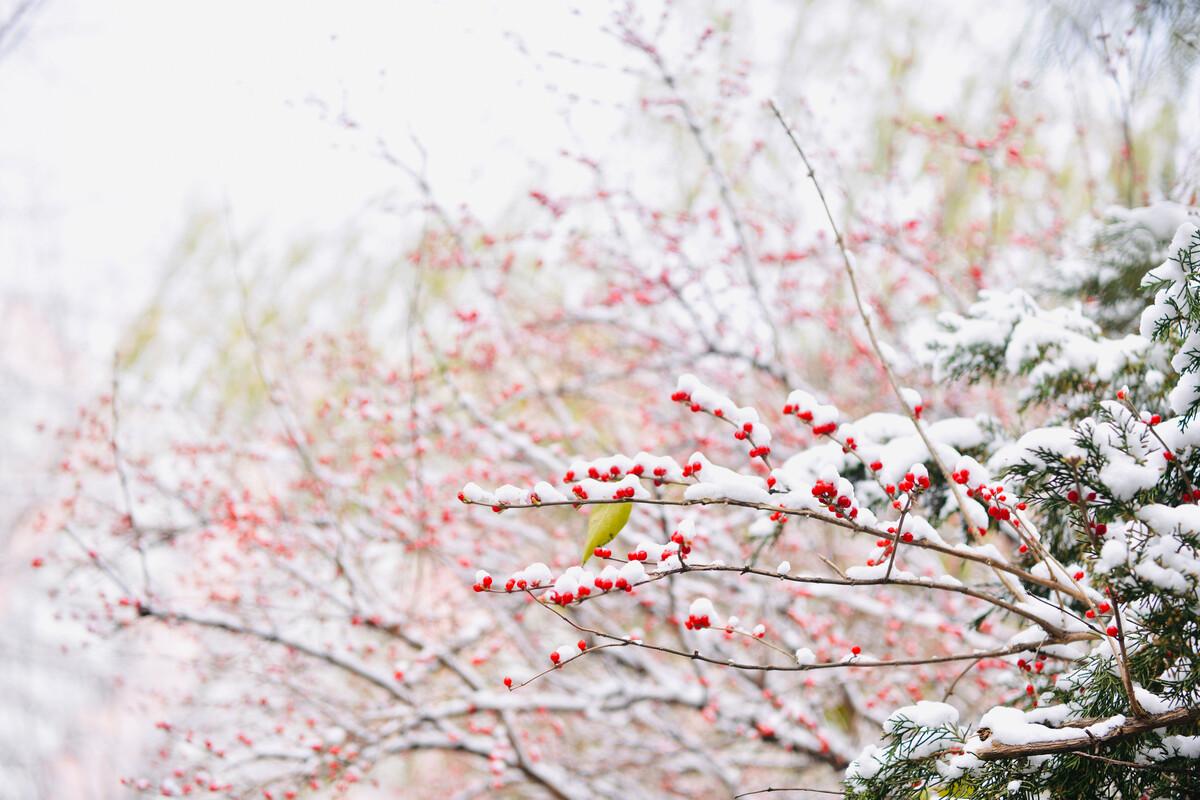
x=1179, y=716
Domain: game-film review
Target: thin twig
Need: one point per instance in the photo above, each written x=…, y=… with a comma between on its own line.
x=696, y=655
x=863, y=314
x=770, y=789
x=966, y=555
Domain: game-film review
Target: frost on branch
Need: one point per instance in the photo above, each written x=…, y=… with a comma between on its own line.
x=1121, y=248
x=1172, y=317
x=1052, y=351
x=1079, y=540
x=1120, y=486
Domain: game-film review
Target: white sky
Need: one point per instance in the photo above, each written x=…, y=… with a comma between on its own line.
x=119, y=116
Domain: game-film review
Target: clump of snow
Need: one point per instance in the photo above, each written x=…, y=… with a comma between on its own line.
x=868, y=764
x=1152, y=702
x=1167, y=520
x=702, y=608
x=716, y=403
x=925, y=713
x=921, y=530
x=536, y=574
x=1182, y=746
x=804, y=657
x=937, y=722
x=1161, y=219
x=476, y=494
x=720, y=483
x=1010, y=726
x=547, y=494
x=807, y=408
x=1059, y=441
x=633, y=572
x=1113, y=553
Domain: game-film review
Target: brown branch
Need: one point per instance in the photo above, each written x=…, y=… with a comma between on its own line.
x=1179, y=716
x=996, y=564
x=1121, y=657
x=899, y=535
x=770, y=789
x=1052, y=630
x=274, y=638
x=696, y=655
x=961, y=675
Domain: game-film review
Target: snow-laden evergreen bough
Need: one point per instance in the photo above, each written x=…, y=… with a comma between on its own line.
x=1076, y=546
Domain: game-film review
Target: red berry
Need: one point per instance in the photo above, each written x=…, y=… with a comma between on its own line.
x=856, y=650
x=1113, y=630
